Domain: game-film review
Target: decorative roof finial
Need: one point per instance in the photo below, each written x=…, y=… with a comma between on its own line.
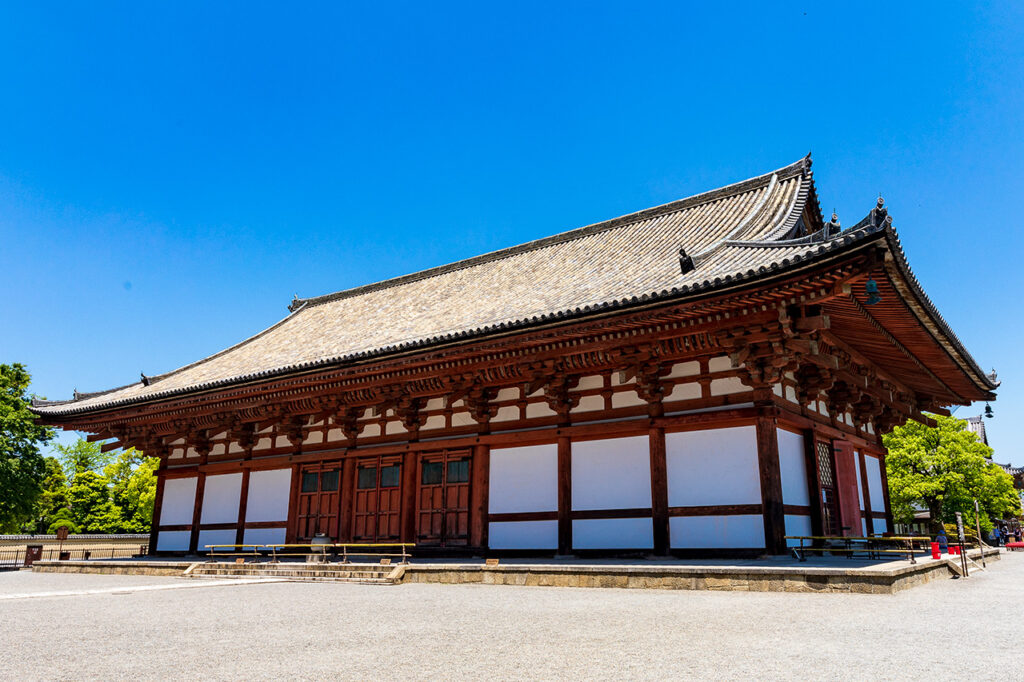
x=993, y=377
x=294, y=305
x=833, y=227
x=879, y=214
x=685, y=262
x=146, y=381
x=78, y=395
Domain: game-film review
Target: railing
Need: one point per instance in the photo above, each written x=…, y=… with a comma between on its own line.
x=873, y=547
x=14, y=557
x=342, y=551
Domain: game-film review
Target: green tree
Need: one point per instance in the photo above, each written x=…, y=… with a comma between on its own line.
x=62, y=518
x=944, y=469
x=21, y=464
x=132, y=478
x=91, y=507
x=82, y=456
x=54, y=497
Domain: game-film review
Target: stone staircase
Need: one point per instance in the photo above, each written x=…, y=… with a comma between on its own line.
x=365, y=574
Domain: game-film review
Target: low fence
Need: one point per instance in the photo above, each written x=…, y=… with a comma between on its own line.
x=873, y=547
x=323, y=552
x=15, y=557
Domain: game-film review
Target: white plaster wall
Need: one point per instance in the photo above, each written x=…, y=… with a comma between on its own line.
x=613, y=533
x=523, y=535
x=689, y=391
x=714, y=466
x=178, y=502
x=705, y=532
x=462, y=419
x=797, y=525
x=173, y=540
x=684, y=369
x=793, y=465
x=264, y=536
x=523, y=479
x=220, y=498
x=860, y=488
x=590, y=382
x=880, y=525
x=268, y=495
x=727, y=386
x=589, y=403
x=506, y=414
x=535, y=410
x=875, y=483
x=720, y=364
x=215, y=537
x=614, y=473
x=626, y=399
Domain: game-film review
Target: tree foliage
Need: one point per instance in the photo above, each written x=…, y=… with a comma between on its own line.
x=22, y=468
x=82, y=456
x=944, y=469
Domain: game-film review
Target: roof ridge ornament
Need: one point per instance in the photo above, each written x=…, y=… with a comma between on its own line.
x=833, y=227
x=880, y=214
x=146, y=381
x=685, y=262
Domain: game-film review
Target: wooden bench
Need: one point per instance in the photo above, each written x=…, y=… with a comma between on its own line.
x=1015, y=546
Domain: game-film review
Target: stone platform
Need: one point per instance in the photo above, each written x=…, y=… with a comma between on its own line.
x=777, y=574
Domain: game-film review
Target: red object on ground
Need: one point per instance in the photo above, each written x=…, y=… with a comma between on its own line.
x=1014, y=546
x=936, y=552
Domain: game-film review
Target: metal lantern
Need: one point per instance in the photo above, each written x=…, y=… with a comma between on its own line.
x=988, y=411
x=871, y=289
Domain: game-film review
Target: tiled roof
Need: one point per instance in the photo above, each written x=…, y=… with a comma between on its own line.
x=734, y=233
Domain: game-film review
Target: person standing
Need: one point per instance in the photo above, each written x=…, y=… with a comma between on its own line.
x=995, y=536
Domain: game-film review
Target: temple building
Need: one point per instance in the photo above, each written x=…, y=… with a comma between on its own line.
x=703, y=377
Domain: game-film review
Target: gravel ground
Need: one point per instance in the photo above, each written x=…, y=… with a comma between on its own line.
x=334, y=631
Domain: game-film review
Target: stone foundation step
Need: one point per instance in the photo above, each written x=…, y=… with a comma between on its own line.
x=370, y=575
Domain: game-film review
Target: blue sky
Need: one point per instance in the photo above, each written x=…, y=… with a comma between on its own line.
x=172, y=174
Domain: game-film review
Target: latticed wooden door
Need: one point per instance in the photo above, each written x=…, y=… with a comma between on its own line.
x=319, y=502
x=378, y=500
x=442, y=514
x=827, y=480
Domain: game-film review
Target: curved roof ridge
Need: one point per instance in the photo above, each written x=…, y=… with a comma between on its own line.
x=735, y=188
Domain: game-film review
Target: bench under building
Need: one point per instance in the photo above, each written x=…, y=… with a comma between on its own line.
x=702, y=377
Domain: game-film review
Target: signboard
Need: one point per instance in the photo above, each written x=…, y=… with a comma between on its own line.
x=62, y=533
x=960, y=527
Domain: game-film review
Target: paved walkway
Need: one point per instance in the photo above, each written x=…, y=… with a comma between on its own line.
x=332, y=631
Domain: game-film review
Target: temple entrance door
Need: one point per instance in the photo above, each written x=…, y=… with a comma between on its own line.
x=827, y=495
x=442, y=511
x=378, y=500
x=318, y=500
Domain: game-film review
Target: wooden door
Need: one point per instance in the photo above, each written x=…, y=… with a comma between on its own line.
x=442, y=510
x=319, y=502
x=378, y=500
x=847, y=489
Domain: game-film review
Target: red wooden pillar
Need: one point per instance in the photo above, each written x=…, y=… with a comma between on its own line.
x=771, y=485
x=564, y=495
x=659, y=491
x=347, y=499
x=813, y=482
x=479, y=494
x=407, y=524
x=158, y=501
x=243, y=501
x=197, y=512
x=293, y=505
